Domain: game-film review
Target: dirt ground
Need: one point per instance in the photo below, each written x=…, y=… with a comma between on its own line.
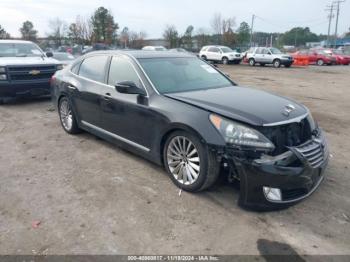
x=93, y=198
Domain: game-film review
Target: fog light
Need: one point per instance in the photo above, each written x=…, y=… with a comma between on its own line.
x=2, y=70
x=3, y=77
x=273, y=194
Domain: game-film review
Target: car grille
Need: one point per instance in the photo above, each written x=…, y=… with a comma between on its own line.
x=314, y=151
x=289, y=135
x=31, y=73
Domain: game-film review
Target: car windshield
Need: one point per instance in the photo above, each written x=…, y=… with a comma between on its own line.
x=19, y=50
x=275, y=51
x=173, y=75
x=63, y=56
x=338, y=52
x=226, y=50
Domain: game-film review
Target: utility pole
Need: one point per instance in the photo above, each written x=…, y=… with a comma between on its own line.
x=251, y=31
x=330, y=16
x=338, y=2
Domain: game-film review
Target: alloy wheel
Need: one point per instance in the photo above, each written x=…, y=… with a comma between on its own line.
x=66, y=115
x=183, y=160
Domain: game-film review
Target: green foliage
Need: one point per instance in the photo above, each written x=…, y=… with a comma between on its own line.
x=104, y=27
x=4, y=34
x=298, y=36
x=243, y=32
x=28, y=32
x=187, y=39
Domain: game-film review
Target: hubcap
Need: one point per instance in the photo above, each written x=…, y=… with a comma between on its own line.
x=183, y=160
x=66, y=115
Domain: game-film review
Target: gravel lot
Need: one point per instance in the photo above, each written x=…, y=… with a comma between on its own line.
x=93, y=198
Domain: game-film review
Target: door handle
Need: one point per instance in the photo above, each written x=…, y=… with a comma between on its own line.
x=71, y=87
x=107, y=96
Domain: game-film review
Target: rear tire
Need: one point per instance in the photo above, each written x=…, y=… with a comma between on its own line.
x=67, y=117
x=277, y=63
x=251, y=62
x=189, y=163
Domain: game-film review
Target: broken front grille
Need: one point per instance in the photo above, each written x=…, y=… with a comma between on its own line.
x=289, y=135
x=314, y=151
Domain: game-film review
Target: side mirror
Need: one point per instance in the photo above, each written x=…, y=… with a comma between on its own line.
x=49, y=54
x=129, y=87
x=269, y=53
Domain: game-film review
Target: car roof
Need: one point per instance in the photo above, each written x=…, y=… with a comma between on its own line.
x=144, y=54
x=15, y=42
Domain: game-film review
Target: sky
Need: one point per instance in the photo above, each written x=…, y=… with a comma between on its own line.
x=152, y=16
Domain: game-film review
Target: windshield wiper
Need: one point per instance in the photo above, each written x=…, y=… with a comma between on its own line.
x=21, y=55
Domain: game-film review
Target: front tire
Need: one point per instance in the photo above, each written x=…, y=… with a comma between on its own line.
x=225, y=61
x=191, y=166
x=251, y=62
x=204, y=57
x=320, y=62
x=67, y=117
x=277, y=63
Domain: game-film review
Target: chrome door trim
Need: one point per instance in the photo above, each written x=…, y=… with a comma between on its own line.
x=115, y=136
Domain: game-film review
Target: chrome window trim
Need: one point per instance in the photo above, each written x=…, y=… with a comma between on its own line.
x=115, y=136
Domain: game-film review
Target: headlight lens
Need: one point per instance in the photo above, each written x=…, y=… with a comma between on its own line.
x=3, y=77
x=240, y=135
x=2, y=70
x=60, y=67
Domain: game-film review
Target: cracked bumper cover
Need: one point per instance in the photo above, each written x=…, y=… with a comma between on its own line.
x=297, y=173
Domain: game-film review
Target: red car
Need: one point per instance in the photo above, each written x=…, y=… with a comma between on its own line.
x=342, y=58
x=318, y=57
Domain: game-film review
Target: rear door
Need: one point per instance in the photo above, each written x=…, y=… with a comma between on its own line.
x=258, y=56
x=85, y=92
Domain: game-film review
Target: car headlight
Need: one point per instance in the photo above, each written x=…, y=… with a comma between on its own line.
x=60, y=67
x=2, y=69
x=240, y=135
x=3, y=77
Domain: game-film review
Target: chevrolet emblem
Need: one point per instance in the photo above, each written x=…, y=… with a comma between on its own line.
x=34, y=72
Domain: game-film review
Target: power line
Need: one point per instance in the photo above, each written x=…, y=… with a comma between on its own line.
x=337, y=3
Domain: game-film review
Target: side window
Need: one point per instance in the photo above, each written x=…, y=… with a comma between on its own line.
x=122, y=70
x=214, y=50
x=266, y=51
x=94, y=68
x=259, y=51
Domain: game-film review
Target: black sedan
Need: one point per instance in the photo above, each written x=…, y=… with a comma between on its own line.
x=178, y=111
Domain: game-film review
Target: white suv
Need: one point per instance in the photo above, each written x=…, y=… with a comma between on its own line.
x=222, y=54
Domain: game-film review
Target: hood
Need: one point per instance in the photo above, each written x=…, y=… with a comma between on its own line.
x=13, y=61
x=247, y=105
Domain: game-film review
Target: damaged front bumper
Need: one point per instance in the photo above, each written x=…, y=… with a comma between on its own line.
x=292, y=176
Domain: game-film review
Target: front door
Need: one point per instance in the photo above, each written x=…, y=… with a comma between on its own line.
x=127, y=117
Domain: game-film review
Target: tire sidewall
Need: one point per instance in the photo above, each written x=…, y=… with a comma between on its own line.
x=73, y=128
x=320, y=62
x=225, y=61
x=277, y=63
x=251, y=62
x=203, y=155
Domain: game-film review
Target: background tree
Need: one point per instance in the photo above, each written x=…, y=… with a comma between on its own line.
x=202, y=37
x=229, y=38
x=298, y=36
x=137, y=40
x=216, y=25
x=171, y=35
x=104, y=27
x=28, y=32
x=58, y=31
x=243, y=32
x=4, y=34
x=125, y=36
x=188, y=38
